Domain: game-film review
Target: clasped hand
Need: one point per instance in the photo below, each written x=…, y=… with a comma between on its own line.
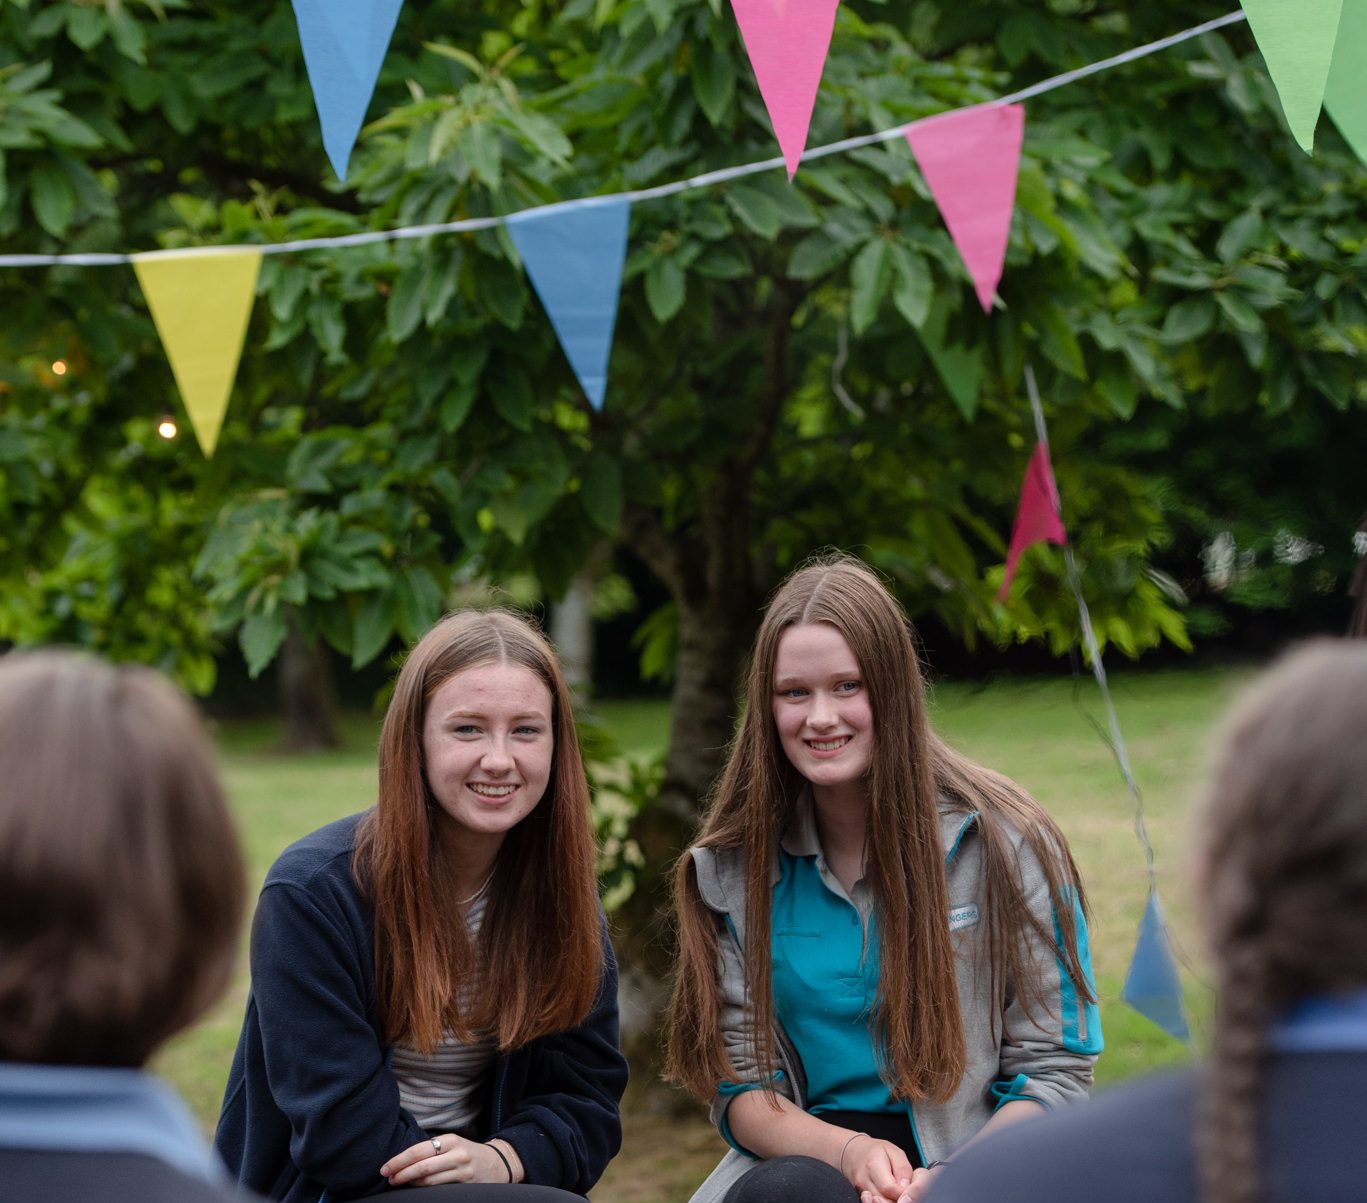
x=460, y=1160
x=881, y=1172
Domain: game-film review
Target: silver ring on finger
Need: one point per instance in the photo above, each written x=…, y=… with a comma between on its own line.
x=436, y=1143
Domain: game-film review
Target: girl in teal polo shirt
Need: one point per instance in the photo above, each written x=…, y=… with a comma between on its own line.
x=883, y=948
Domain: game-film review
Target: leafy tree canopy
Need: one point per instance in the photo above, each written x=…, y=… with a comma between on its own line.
x=793, y=365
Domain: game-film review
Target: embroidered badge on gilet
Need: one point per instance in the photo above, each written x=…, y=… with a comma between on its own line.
x=964, y=916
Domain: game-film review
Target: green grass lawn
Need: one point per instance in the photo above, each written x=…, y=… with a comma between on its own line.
x=1039, y=731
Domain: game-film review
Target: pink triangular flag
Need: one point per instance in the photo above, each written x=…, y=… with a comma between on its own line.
x=787, y=41
x=970, y=159
x=1037, y=517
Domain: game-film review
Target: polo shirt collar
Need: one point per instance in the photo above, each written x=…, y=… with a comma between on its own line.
x=93, y=1109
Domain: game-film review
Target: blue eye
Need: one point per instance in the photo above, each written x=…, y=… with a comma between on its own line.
x=848, y=686
x=465, y=729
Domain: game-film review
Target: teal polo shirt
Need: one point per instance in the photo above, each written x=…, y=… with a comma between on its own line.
x=825, y=975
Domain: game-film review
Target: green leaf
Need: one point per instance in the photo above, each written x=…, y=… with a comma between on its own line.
x=1188, y=319
x=503, y=290
x=817, y=254
x=1058, y=342
x=419, y=602
x=260, y=637
x=794, y=210
x=291, y=281
x=601, y=492
x=54, y=199
x=512, y=396
x=912, y=287
x=546, y=137
x=374, y=627
x=1239, y=236
x=1242, y=316
x=511, y=517
x=960, y=368
x=869, y=277
x=128, y=36
x=455, y=407
x=28, y=78
x=355, y=574
x=1121, y=391
x=86, y=26
x=310, y=461
x=665, y=285
x=723, y=262
x=329, y=326
x=714, y=81
x=481, y=147
x=404, y=311
x=440, y=285
x=755, y=209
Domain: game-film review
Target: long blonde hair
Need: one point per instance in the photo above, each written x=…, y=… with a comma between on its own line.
x=539, y=950
x=1284, y=848
x=917, y=1022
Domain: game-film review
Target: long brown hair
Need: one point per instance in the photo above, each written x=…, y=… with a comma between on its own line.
x=538, y=955
x=1283, y=851
x=121, y=879
x=917, y=1022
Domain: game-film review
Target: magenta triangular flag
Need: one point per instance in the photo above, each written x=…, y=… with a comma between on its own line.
x=1037, y=517
x=787, y=41
x=970, y=159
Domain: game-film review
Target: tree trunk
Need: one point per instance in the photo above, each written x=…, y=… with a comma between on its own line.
x=572, y=634
x=712, y=647
x=306, y=694
x=711, y=581
x=1357, y=588
x=709, y=571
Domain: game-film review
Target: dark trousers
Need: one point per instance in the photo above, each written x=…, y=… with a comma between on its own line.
x=781, y=1179
x=784, y=1179
x=489, y=1192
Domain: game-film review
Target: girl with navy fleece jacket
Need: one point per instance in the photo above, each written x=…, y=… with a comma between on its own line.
x=433, y=996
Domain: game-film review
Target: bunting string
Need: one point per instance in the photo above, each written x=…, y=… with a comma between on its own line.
x=658, y=192
x=1152, y=985
x=1089, y=642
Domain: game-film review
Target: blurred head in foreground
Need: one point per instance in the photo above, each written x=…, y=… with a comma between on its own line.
x=1283, y=850
x=121, y=883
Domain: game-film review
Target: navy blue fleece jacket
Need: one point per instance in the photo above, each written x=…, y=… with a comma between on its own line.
x=311, y=1110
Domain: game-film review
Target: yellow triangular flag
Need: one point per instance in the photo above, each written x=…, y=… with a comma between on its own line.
x=201, y=302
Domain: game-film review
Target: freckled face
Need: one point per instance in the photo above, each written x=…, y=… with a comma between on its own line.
x=487, y=746
x=821, y=707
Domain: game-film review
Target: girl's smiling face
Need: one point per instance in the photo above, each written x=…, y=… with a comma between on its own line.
x=487, y=747
x=821, y=707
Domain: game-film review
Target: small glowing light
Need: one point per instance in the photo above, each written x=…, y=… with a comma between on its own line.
x=59, y=368
x=167, y=428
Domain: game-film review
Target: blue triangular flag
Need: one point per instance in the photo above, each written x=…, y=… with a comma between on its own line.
x=344, y=44
x=1152, y=987
x=574, y=257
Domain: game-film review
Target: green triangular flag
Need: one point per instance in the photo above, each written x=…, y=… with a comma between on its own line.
x=1297, y=40
x=1345, y=97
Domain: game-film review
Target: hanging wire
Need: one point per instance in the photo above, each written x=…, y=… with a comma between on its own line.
x=1117, y=739
x=707, y=179
x=1110, y=735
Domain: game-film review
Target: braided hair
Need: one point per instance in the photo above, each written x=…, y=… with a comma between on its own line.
x=1284, y=855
